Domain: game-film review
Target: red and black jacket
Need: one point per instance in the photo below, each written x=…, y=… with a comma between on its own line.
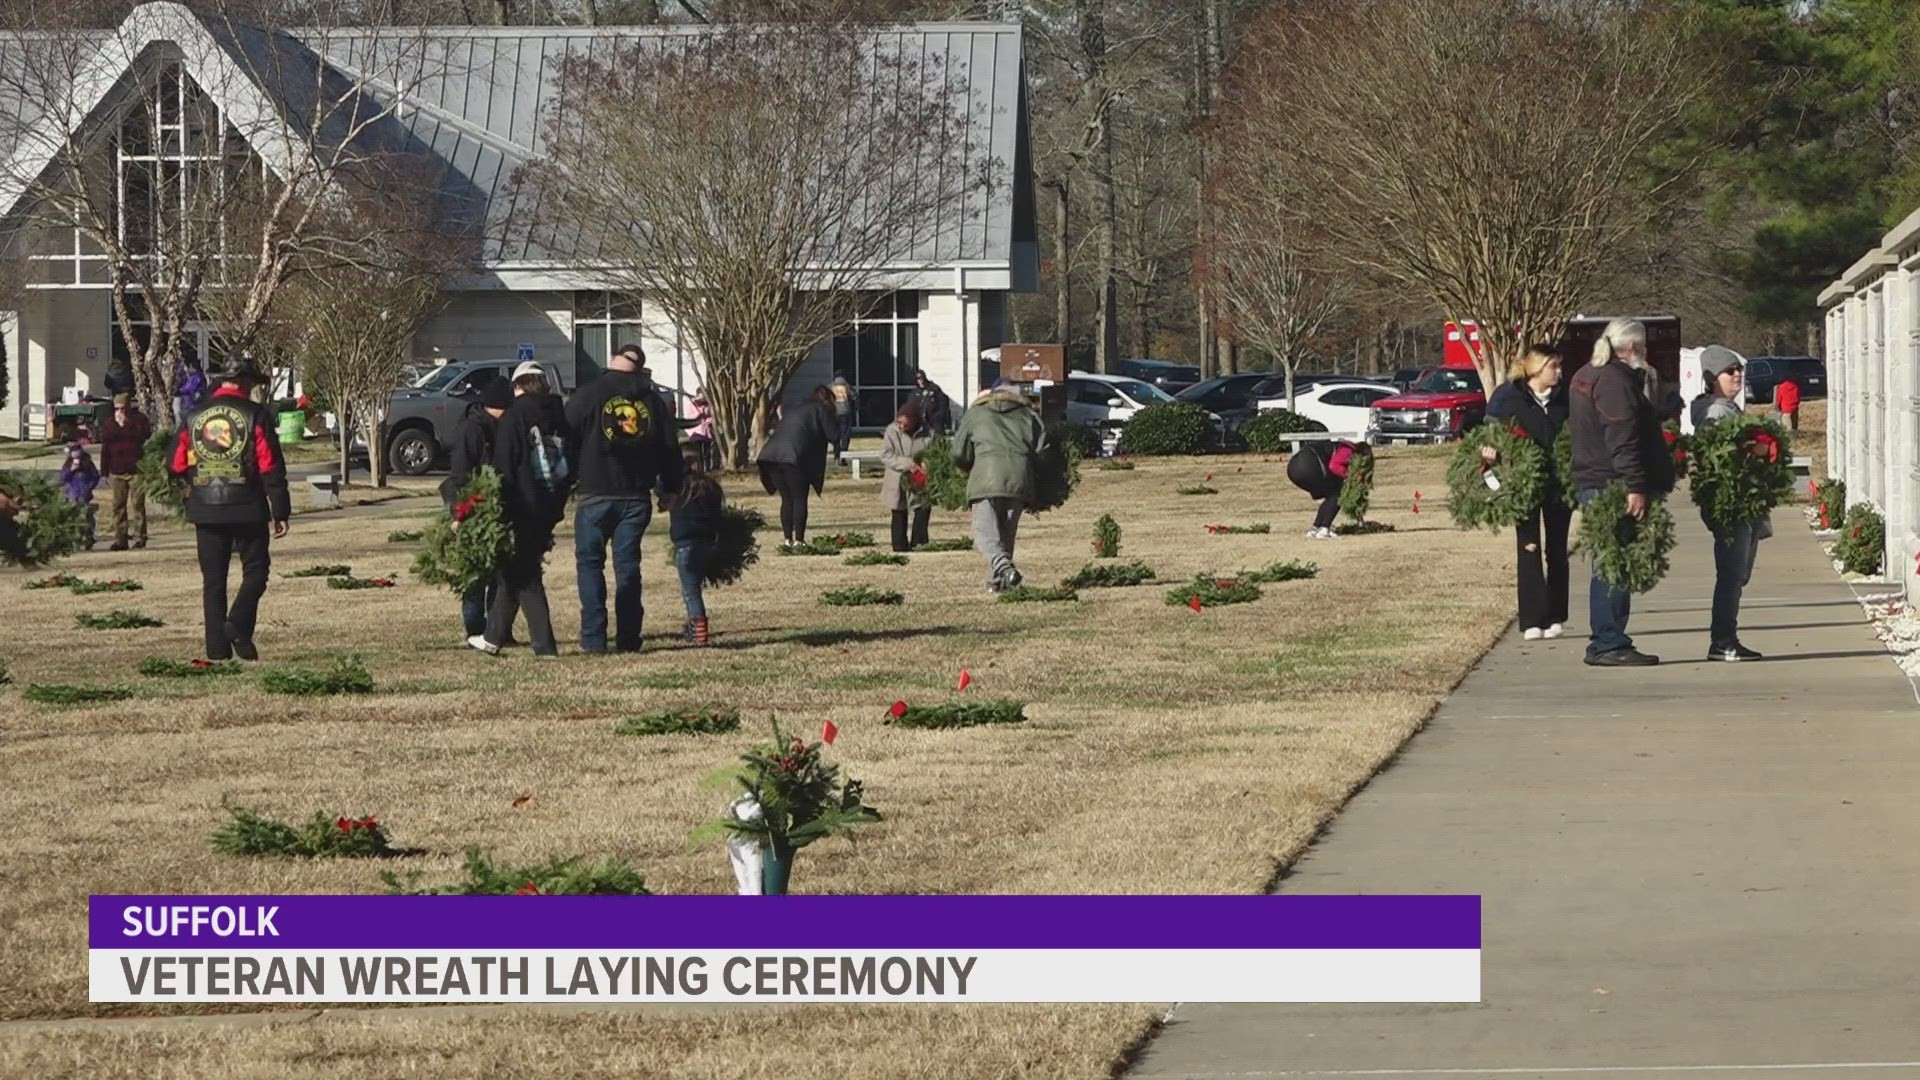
x=230, y=458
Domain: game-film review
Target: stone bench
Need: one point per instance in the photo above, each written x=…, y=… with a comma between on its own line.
x=855, y=459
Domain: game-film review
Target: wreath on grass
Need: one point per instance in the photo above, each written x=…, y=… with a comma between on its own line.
x=45, y=525
x=1500, y=493
x=1628, y=554
x=465, y=545
x=1356, y=491
x=1741, y=470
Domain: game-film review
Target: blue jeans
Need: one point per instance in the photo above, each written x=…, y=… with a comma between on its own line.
x=623, y=523
x=689, y=556
x=1607, y=607
x=1733, y=555
x=473, y=607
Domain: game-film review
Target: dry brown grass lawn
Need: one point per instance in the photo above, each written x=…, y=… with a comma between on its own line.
x=1166, y=751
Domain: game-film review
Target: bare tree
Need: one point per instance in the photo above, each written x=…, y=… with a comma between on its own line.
x=1488, y=156
x=757, y=186
x=1271, y=293
x=214, y=167
x=349, y=326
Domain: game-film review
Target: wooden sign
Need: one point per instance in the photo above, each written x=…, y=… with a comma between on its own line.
x=1033, y=363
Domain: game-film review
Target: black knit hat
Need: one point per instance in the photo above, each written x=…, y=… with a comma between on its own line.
x=497, y=394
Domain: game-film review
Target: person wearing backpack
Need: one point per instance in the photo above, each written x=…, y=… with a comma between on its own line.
x=625, y=443
x=530, y=454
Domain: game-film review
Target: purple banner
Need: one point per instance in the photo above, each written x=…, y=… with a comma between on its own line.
x=662, y=923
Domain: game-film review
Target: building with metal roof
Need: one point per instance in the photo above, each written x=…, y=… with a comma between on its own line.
x=477, y=100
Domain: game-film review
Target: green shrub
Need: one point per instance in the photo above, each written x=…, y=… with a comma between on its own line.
x=1166, y=428
x=710, y=720
x=959, y=714
x=347, y=676
x=1263, y=430
x=1083, y=439
x=1106, y=537
x=556, y=877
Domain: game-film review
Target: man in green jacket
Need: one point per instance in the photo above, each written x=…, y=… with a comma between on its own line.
x=999, y=440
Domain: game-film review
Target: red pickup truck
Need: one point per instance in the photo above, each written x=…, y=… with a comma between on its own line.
x=1441, y=404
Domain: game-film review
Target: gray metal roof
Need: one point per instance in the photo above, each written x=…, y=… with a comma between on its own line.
x=481, y=95
x=477, y=98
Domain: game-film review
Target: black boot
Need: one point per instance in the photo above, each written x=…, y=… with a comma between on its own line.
x=900, y=531
x=921, y=515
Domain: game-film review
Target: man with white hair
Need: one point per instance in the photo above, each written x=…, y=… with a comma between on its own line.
x=1616, y=438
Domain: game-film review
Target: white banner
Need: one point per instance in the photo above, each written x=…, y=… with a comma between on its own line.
x=1002, y=975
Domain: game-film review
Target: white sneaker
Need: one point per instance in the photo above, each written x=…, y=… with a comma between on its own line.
x=1554, y=631
x=480, y=642
x=1533, y=633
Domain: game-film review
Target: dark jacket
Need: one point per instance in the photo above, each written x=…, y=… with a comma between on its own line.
x=121, y=444
x=528, y=502
x=624, y=439
x=696, y=511
x=803, y=438
x=1312, y=468
x=472, y=448
x=1616, y=431
x=936, y=411
x=1514, y=401
x=230, y=457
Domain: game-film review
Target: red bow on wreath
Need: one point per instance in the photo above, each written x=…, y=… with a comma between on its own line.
x=1517, y=432
x=464, y=510
x=1667, y=434
x=919, y=477
x=1765, y=445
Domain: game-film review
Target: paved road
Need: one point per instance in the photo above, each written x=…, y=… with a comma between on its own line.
x=1700, y=870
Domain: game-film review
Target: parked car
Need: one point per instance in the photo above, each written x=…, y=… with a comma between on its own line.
x=1766, y=373
x=1164, y=374
x=423, y=419
x=1346, y=407
x=1230, y=397
x=1406, y=377
x=1106, y=402
x=1445, y=402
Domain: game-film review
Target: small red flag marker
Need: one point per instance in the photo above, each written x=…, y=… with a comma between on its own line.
x=897, y=710
x=829, y=732
x=966, y=679
x=1194, y=602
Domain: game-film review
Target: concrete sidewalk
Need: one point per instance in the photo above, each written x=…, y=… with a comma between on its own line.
x=1696, y=869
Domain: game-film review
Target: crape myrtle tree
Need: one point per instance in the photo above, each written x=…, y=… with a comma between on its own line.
x=1490, y=157
x=760, y=184
x=208, y=161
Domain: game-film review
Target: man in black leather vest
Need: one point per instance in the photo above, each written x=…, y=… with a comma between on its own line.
x=229, y=456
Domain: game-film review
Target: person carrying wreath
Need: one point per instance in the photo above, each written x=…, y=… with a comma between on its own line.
x=900, y=449
x=1735, y=546
x=1617, y=439
x=530, y=453
x=998, y=446
x=1530, y=400
x=1320, y=469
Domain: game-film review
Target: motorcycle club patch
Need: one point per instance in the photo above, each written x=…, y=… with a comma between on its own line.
x=625, y=421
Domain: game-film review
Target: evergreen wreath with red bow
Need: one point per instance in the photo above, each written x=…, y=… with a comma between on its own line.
x=463, y=557
x=1518, y=475
x=1741, y=470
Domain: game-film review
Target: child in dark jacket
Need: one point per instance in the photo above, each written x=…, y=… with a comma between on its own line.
x=78, y=478
x=696, y=525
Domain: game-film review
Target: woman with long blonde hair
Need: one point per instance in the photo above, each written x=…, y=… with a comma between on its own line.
x=1533, y=400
